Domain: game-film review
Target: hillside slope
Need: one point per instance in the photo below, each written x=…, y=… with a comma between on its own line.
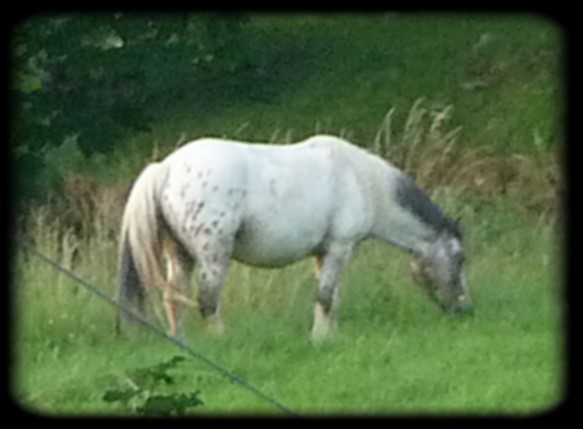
x=500, y=72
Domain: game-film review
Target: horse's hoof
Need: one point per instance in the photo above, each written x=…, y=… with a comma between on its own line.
x=215, y=328
x=320, y=336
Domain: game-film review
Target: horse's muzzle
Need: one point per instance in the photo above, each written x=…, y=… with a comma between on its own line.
x=463, y=305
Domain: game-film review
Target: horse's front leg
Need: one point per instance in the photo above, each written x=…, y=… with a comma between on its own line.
x=326, y=309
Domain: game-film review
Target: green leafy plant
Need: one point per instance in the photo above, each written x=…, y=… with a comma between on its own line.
x=146, y=391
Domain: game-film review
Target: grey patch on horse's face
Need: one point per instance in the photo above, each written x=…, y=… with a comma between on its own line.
x=441, y=272
x=417, y=202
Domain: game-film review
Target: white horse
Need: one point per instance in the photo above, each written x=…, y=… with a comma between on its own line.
x=264, y=205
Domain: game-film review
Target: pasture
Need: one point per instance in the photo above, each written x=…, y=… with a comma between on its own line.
x=395, y=353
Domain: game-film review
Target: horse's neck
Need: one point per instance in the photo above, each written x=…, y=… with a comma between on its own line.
x=394, y=224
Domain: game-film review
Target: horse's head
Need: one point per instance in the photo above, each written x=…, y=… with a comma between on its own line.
x=439, y=268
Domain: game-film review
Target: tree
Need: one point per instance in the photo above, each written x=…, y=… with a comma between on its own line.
x=92, y=77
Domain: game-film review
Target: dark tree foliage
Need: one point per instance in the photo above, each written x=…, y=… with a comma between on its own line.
x=93, y=77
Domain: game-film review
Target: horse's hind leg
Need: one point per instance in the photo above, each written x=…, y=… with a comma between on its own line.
x=325, y=312
x=214, y=267
x=176, y=294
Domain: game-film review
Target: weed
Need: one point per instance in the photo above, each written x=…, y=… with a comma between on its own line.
x=146, y=393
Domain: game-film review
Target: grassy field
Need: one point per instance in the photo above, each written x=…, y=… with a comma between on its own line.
x=395, y=353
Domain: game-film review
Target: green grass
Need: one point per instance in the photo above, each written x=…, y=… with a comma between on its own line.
x=395, y=352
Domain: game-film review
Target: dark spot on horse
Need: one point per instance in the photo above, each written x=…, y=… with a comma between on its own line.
x=190, y=207
x=222, y=214
x=215, y=188
x=206, y=303
x=325, y=298
x=204, y=184
x=198, y=228
x=199, y=174
x=207, y=231
x=184, y=189
x=203, y=276
x=198, y=209
x=215, y=223
x=188, y=168
x=209, y=171
x=205, y=246
x=231, y=190
x=220, y=231
x=215, y=257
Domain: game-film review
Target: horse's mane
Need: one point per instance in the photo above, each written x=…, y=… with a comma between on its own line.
x=416, y=201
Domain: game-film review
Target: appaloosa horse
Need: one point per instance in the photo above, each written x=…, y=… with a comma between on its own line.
x=215, y=200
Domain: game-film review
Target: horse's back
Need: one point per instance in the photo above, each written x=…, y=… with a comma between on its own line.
x=279, y=202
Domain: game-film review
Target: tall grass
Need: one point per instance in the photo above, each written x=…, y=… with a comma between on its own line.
x=435, y=154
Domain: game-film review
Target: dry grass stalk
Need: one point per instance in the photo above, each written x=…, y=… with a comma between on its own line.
x=428, y=151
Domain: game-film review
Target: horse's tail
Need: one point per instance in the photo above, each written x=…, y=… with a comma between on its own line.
x=141, y=264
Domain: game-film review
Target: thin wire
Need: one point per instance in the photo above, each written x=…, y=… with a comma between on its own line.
x=138, y=318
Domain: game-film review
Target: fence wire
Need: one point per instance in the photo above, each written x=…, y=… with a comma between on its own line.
x=158, y=331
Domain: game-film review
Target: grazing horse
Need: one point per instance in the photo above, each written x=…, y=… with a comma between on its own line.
x=214, y=200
